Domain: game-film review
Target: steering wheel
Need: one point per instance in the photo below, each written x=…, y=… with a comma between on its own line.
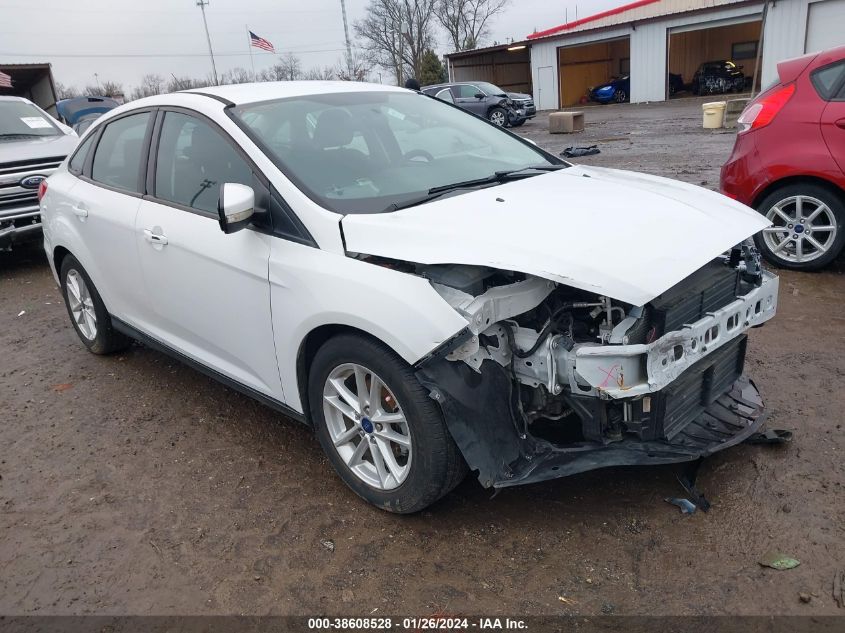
x=418, y=153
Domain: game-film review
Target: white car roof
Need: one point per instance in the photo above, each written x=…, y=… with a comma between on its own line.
x=266, y=91
x=10, y=98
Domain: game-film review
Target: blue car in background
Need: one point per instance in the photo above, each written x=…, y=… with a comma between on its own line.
x=81, y=112
x=616, y=90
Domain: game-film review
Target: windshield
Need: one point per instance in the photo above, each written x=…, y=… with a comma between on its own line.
x=365, y=151
x=19, y=119
x=491, y=90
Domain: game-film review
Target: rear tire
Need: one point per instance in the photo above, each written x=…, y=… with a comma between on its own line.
x=87, y=311
x=377, y=474
x=780, y=244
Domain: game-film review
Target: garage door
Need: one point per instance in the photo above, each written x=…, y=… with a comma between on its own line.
x=825, y=25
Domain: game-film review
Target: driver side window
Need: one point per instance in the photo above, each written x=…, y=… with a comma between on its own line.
x=193, y=161
x=467, y=92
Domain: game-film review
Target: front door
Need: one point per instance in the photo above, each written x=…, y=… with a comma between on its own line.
x=209, y=294
x=465, y=96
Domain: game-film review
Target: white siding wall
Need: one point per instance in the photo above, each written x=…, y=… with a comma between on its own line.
x=648, y=50
x=543, y=57
x=785, y=36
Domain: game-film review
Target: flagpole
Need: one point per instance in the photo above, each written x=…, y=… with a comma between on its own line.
x=249, y=44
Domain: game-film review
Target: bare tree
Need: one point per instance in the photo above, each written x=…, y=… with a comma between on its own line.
x=112, y=88
x=66, y=92
x=175, y=84
x=396, y=33
x=151, y=84
x=288, y=68
x=237, y=76
x=361, y=68
x=326, y=73
x=467, y=22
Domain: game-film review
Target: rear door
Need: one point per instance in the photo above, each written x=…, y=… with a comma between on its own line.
x=208, y=292
x=829, y=82
x=104, y=203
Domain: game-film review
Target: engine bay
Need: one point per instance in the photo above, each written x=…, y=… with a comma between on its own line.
x=586, y=367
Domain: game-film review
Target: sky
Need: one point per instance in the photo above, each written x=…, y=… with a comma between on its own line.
x=121, y=40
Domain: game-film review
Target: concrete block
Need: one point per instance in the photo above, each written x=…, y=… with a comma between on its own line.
x=566, y=122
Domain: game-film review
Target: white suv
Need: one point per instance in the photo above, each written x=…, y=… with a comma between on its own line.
x=428, y=291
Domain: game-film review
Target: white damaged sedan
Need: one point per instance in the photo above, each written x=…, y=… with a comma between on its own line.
x=431, y=293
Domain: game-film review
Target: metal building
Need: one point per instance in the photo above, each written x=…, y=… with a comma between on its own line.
x=648, y=40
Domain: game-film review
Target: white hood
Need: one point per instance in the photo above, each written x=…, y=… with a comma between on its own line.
x=622, y=234
x=37, y=147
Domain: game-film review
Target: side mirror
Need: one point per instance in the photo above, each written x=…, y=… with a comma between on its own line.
x=479, y=95
x=235, y=206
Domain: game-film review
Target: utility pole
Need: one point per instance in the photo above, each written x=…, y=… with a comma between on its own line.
x=401, y=72
x=201, y=4
x=348, y=42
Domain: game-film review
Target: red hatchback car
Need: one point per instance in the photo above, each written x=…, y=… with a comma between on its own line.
x=788, y=161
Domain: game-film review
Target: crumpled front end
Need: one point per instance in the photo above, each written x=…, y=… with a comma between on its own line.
x=549, y=381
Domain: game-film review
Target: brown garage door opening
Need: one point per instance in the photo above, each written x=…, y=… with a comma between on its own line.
x=586, y=66
x=508, y=67
x=688, y=50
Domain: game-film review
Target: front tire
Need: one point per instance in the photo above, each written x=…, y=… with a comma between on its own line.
x=809, y=226
x=87, y=311
x=498, y=117
x=379, y=428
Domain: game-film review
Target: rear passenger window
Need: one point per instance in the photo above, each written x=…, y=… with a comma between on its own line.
x=77, y=161
x=117, y=161
x=828, y=80
x=193, y=161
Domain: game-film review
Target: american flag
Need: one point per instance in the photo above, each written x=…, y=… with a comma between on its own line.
x=5, y=80
x=260, y=42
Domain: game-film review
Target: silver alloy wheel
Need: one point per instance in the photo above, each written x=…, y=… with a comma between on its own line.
x=498, y=118
x=620, y=96
x=81, y=304
x=367, y=426
x=804, y=229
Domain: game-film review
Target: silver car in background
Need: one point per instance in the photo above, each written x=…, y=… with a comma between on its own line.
x=32, y=145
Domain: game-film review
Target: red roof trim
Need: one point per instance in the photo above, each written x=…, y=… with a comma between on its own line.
x=598, y=16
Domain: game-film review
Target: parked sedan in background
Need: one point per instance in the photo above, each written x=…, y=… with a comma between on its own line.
x=616, y=90
x=788, y=161
x=481, y=98
x=718, y=77
x=404, y=277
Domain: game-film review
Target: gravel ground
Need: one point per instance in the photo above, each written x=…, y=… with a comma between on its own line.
x=133, y=485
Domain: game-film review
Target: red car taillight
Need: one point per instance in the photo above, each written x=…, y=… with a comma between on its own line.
x=42, y=189
x=762, y=111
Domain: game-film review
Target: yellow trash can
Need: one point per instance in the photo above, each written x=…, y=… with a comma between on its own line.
x=714, y=114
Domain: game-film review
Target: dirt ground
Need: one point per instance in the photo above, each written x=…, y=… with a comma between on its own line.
x=134, y=485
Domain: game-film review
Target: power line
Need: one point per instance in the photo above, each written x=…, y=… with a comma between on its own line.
x=165, y=55
x=169, y=11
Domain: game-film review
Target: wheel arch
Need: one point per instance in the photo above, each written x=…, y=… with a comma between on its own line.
x=59, y=254
x=309, y=347
x=794, y=180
